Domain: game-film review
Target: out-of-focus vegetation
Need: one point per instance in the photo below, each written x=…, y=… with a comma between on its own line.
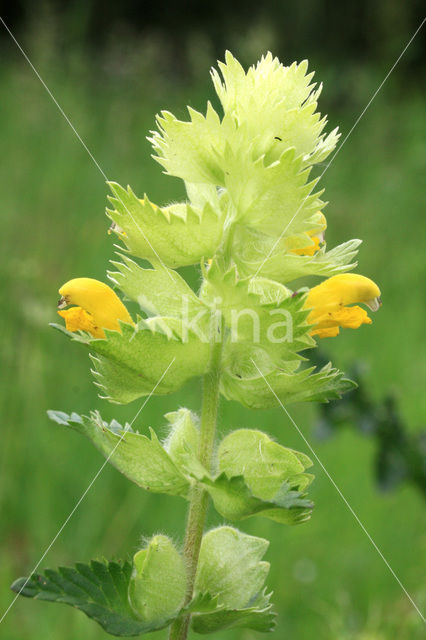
x=328, y=580
x=400, y=454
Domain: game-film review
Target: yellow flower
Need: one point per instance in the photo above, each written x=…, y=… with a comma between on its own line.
x=328, y=302
x=317, y=238
x=98, y=307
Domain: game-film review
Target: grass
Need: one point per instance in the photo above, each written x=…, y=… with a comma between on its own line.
x=328, y=580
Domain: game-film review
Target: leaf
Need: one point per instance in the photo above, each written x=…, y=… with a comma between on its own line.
x=157, y=356
x=99, y=589
x=143, y=460
x=177, y=235
x=119, y=384
x=159, y=291
x=154, y=357
x=260, y=391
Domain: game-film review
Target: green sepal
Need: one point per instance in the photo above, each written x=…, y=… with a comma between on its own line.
x=141, y=459
x=99, y=589
x=158, y=582
x=256, y=391
x=175, y=236
x=159, y=291
x=231, y=569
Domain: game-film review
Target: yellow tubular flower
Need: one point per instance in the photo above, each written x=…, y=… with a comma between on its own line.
x=98, y=307
x=328, y=302
x=317, y=238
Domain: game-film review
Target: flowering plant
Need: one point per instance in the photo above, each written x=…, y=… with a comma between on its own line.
x=253, y=221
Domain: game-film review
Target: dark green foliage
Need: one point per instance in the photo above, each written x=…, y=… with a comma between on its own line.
x=99, y=589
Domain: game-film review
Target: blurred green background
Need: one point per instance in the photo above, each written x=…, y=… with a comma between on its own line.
x=112, y=67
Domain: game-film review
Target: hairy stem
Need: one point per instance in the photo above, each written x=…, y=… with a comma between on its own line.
x=200, y=499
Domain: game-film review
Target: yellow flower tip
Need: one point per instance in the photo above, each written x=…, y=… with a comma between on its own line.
x=317, y=238
x=98, y=307
x=328, y=303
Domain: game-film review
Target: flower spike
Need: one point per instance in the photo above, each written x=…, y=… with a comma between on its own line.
x=98, y=307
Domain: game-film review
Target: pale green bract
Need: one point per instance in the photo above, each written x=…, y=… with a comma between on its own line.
x=176, y=235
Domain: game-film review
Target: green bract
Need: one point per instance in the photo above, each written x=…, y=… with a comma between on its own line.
x=252, y=224
x=177, y=235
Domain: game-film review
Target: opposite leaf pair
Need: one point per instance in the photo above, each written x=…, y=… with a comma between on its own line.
x=129, y=600
x=253, y=476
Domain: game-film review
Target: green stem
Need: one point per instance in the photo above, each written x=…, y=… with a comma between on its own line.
x=200, y=499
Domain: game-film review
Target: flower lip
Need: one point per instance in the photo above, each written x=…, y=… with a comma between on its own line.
x=374, y=304
x=62, y=302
